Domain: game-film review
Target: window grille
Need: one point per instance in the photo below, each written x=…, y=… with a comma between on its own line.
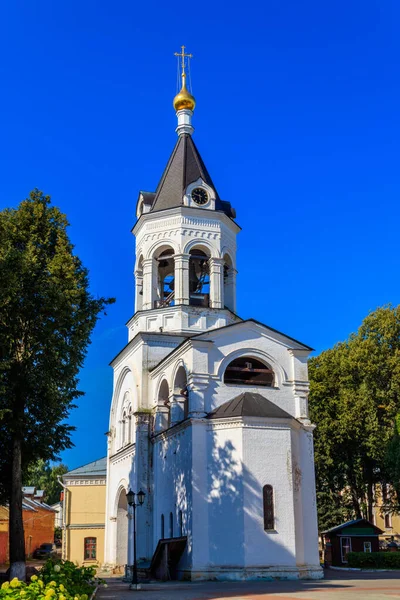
x=268, y=498
x=90, y=548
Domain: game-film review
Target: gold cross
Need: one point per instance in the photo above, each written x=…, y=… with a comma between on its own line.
x=183, y=56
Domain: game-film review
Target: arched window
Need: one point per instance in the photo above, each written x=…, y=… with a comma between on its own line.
x=181, y=391
x=163, y=401
x=139, y=285
x=268, y=501
x=90, y=547
x=171, y=525
x=123, y=431
x=130, y=426
x=249, y=371
x=166, y=278
x=199, y=278
x=162, y=527
x=180, y=523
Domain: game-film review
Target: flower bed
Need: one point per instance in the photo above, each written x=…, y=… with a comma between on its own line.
x=58, y=580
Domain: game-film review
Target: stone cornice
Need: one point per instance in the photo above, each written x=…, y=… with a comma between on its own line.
x=123, y=453
x=89, y=480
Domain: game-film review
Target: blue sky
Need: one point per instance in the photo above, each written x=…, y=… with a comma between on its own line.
x=297, y=120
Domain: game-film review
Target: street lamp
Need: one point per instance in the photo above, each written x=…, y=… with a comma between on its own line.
x=131, y=498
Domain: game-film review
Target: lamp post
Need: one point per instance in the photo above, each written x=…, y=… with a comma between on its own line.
x=131, y=498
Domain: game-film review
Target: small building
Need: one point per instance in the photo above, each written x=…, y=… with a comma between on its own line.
x=358, y=535
x=38, y=519
x=84, y=507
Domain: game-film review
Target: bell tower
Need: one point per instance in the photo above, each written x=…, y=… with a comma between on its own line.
x=185, y=270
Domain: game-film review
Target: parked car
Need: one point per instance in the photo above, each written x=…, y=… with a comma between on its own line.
x=44, y=550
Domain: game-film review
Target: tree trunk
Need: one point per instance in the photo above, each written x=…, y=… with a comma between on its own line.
x=370, y=495
x=16, y=524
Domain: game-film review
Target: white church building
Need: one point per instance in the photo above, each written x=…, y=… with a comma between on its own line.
x=209, y=414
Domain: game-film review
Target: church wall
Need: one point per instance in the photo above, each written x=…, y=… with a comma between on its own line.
x=268, y=461
x=225, y=496
x=172, y=468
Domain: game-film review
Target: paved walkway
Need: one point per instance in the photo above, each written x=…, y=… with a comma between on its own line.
x=335, y=586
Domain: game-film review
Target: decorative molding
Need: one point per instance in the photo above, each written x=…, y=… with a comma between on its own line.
x=84, y=481
x=86, y=526
x=121, y=455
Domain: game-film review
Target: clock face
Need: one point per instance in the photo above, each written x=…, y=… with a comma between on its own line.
x=200, y=196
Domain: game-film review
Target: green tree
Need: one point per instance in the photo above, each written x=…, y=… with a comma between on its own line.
x=354, y=401
x=45, y=477
x=47, y=314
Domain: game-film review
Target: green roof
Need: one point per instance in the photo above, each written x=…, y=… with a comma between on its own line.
x=95, y=468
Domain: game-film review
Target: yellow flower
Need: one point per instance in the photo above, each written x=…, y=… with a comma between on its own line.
x=84, y=597
x=22, y=593
x=50, y=592
x=34, y=578
x=53, y=583
x=61, y=597
x=61, y=588
x=15, y=583
x=40, y=582
x=5, y=585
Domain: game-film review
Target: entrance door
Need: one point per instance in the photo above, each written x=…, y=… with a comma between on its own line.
x=345, y=547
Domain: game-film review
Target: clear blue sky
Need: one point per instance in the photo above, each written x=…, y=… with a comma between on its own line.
x=297, y=120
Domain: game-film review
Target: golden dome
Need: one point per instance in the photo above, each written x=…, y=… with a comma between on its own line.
x=184, y=99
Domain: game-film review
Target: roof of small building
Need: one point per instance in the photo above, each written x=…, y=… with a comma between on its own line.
x=347, y=524
x=95, y=468
x=30, y=489
x=249, y=404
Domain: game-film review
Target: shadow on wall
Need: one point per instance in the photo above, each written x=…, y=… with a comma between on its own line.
x=235, y=499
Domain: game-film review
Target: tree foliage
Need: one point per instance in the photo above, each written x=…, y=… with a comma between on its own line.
x=45, y=477
x=47, y=314
x=354, y=401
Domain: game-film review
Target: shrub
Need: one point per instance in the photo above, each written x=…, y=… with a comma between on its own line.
x=58, y=580
x=374, y=560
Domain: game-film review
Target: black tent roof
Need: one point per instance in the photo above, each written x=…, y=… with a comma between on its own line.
x=249, y=404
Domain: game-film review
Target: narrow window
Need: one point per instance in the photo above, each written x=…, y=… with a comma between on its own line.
x=130, y=427
x=345, y=548
x=162, y=527
x=180, y=523
x=90, y=548
x=171, y=525
x=268, y=498
x=388, y=521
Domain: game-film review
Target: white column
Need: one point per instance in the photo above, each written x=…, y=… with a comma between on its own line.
x=143, y=513
x=184, y=121
x=177, y=408
x=216, y=282
x=148, y=287
x=182, y=278
x=197, y=386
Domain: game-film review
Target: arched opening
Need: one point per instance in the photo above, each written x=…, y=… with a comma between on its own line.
x=247, y=370
x=180, y=523
x=162, y=528
x=163, y=402
x=171, y=525
x=122, y=529
x=165, y=278
x=229, y=283
x=130, y=426
x=123, y=429
x=199, y=278
x=181, y=391
x=139, y=285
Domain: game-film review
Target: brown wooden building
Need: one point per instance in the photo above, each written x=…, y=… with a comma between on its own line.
x=354, y=536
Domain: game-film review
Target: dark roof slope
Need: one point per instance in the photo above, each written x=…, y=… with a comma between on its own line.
x=351, y=523
x=97, y=467
x=249, y=404
x=185, y=166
